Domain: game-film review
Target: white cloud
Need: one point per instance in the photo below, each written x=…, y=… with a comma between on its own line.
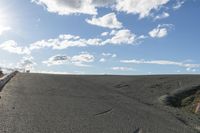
x=104, y=33
x=191, y=69
x=123, y=36
x=160, y=31
x=103, y=2
x=95, y=41
x=109, y=55
x=162, y=16
x=113, y=32
x=65, y=41
x=6, y=66
x=122, y=69
x=178, y=4
x=77, y=60
x=107, y=21
x=141, y=7
x=162, y=62
x=26, y=63
x=4, y=29
x=67, y=7
x=102, y=60
x=57, y=60
x=114, y=55
x=106, y=56
x=12, y=47
x=82, y=58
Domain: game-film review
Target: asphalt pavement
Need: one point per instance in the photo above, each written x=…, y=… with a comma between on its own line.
x=39, y=103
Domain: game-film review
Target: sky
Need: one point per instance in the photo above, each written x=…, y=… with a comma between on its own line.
x=122, y=37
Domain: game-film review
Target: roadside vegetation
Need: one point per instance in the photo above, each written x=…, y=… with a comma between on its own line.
x=192, y=103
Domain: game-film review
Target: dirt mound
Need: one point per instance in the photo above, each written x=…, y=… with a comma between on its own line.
x=186, y=98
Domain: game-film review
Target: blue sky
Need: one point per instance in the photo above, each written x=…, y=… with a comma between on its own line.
x=101, y=36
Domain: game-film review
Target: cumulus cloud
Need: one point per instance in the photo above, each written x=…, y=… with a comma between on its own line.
x=160, y=31
x=77, y=60
x=104, y=33
x=65, y=41
x=102, y=60
x=123, y=36
x=100, y=3
x=178, y=4
x=162, y=16
x=57, y=60
x=141, y=7
x=162, y=62
x=122, y=69
x=67, y=7
x=109, y=55
x=191, y=69
x=107, y=21
x=106, y=56
x=6, y=66
x=4, y=29
x=12, y=47
x=26, y=63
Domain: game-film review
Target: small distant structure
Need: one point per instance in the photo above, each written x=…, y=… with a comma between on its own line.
x=28, y=71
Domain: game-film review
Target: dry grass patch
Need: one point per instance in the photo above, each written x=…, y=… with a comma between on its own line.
x=191, y=103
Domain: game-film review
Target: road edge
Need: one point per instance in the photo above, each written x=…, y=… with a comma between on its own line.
x=5, y=79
